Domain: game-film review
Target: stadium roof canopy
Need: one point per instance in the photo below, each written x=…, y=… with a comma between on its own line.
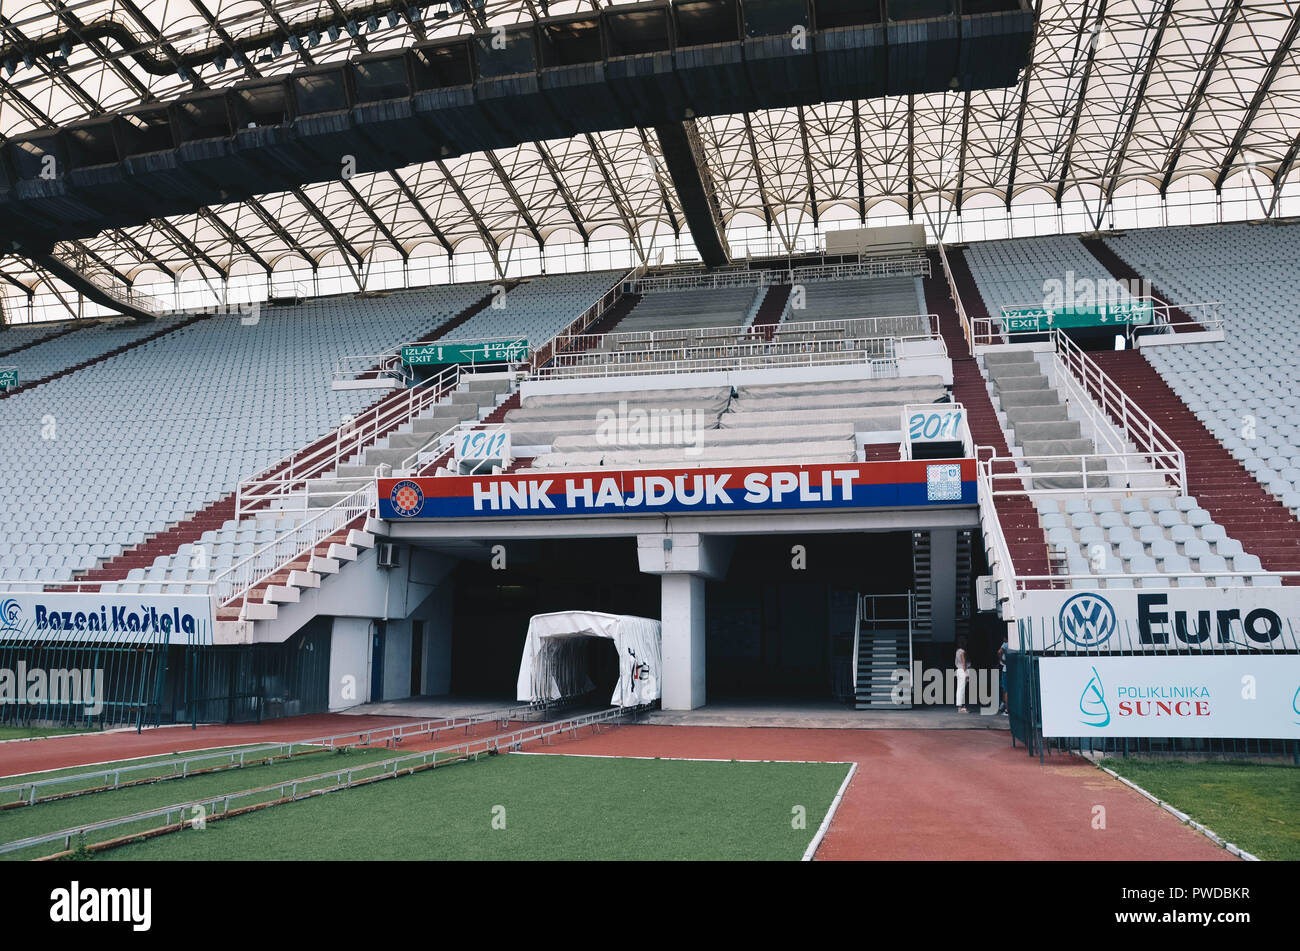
x=1122, y=98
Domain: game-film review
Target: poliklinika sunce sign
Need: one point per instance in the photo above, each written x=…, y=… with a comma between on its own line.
x=650, y=491
x=1255, y=695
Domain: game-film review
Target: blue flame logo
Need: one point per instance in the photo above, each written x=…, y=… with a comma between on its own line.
x=11, y=615
x=1092, y=702
x=1295, y=705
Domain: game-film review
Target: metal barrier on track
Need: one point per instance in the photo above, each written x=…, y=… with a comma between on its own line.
x=220, y=806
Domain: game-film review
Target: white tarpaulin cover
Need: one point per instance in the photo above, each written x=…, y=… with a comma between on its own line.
x=551, y=669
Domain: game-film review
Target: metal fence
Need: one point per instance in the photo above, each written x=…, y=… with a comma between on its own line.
x=1041, y=638
x=78, y=679
x=52, y=678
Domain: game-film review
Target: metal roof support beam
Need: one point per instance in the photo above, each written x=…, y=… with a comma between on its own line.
x=494, y=249
x=659, y=181
x=1189, y=115
x=685, y=160
x=233, y=237
x=808, y=170
x=405, y=189
x=911, y=157
x=961, y=152
x=1088, y=63
x=768, y=218
x=375, y=219
x=563, y=191
x=860, y=162
x=1284, y=49
x=1024, y=103
x=145, y=253
x=189, y=247
x=1139, y=94
x=520, y=206
x=349, y=253
x=623, y=212
x=1283, y=170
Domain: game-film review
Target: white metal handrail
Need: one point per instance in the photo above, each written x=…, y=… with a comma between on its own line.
x=675, y=339
x=1142, y=431
x=913, y=264
x=956, y=297
x=1122, y=469
x=884, y=364
x=375, y=365
x=234, y=583
x=563, y=341
x=1004, y=570
x=1208, y=315
x=346, y=441
x=705, y=352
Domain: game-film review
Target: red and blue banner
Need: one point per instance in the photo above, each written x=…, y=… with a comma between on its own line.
x=853, y=485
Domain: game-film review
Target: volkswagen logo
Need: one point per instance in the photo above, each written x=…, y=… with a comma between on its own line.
x=1087, y=620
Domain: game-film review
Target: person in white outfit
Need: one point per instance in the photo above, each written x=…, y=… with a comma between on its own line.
x=963, y=674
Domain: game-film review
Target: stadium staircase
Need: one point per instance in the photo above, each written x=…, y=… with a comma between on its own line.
x=1122, y=271
x=172, y=327
x=1025, y=539
x=771, y=310
x=1219, y=482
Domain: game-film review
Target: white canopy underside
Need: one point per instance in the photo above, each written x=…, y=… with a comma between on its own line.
x=1133, y=99
x=551, y=670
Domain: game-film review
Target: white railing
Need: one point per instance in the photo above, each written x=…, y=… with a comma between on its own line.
x=956, y=297
x=434, y=449
x=991, y=332
x=914, y=264
x=1097, y=391
x=1004, y=570
x=566, y=339
x=1097, y=474
x=349, y=369
x=903, y=326
x=345, y=442
x=1208, y=315
x=909, y=265
x=704, y=358
x=1019, y=483
x=909, y=327
x=235, y=582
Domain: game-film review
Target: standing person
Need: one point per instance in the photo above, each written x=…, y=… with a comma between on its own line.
x=962, y=663
x=1002, y=675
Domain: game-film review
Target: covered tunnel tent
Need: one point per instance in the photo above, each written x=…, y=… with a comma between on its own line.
x=553, y=665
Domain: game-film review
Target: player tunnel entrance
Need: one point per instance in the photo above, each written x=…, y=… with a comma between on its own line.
x=494, y=601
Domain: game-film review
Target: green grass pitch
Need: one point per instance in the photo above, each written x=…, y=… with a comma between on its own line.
x=535, y=807
x=1255, y=807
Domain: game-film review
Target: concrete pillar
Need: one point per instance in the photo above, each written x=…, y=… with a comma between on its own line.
x=682, y=616
x=943, y=584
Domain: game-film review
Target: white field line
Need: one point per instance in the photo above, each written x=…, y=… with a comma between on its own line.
x=821, y=829
x=1182, y=817
x=830, y=814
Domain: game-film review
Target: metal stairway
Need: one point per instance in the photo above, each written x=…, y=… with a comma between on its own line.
x=881, y=647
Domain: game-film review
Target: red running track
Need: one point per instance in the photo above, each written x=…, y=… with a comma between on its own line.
x=940, y=794
x=917, y=794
